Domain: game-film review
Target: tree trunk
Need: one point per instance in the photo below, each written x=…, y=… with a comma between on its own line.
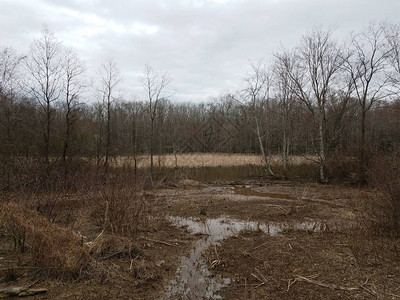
x=264, y=155
x=322, y=154
x=108, y=135
x=47, y=135
x=151, y=150
x=65, y=150
x=285, y=148
x=363, y=158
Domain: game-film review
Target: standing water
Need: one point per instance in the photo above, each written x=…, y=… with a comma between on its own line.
x=193, y=279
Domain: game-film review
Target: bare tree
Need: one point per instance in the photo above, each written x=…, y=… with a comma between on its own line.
x=10, y=63
x=313, y=69
x=133, y=110
x=110, y=77
x=73, y=87
x=256, y=94
x=367, y=68
x=45, y=70
x=392, y=35
x=156, y=86
x=284, y=88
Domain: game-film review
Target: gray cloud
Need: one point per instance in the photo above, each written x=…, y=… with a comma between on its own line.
x=205, y=45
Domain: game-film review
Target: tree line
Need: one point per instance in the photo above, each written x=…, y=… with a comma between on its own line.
x=324, y=98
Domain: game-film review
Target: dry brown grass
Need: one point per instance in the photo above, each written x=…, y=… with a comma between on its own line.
x=205, y=160
x=56, y=250
x=109, y=245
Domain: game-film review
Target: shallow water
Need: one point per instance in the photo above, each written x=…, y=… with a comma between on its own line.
x=193, y=279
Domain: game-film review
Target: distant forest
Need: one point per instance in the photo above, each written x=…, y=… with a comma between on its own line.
x=325, y=98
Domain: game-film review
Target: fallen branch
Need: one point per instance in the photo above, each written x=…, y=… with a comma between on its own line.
x=17, y=268
x=159, y=242
x=361, y=288
x=111, y=255
x=18, y=291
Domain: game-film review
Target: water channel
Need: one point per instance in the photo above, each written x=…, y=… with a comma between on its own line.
x=193, y=279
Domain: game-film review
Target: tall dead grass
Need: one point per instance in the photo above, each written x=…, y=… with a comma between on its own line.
x=205, y=160
x=53, y=249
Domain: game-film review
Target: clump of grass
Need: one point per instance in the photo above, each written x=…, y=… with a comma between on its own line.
x=109, y=245
x=58, y=251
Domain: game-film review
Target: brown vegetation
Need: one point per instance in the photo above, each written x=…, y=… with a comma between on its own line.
x=56, y=250
x=382, y=212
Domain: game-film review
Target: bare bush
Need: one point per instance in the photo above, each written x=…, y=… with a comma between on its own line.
x=125, y=210
x=343, y=169
x=383, y=213
x=56, y=250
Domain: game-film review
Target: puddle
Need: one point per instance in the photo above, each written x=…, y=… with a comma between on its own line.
x=245, y=191
x=193, y=279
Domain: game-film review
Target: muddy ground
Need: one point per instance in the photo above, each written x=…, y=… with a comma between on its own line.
x=236, y=240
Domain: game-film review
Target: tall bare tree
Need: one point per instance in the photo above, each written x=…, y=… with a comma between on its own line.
x=74, y=86
x=366, y=67
x=314, y=70
x=45, y=80
x=156, y=86
x=284, y=87
x=392, y=34
x=10, y=63
x=133, y=110
x=256, y=94
x=110, y=77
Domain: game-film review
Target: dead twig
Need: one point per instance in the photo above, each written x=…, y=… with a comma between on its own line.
x=259, y=246
x=245, y=288
x=217, y=261
x=262, y=280
x=111, y=255
x=159, y=242
x=362, y=287
x=327, y=285
x=290, y=283
x=392, y=295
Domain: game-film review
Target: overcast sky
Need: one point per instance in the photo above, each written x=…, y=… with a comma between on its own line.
x=205, y=45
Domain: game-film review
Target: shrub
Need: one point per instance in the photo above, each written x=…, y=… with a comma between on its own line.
x=123, y=210
x=343, y=169
x=383, y=212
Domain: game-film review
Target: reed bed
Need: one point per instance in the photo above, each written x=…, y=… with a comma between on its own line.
x=205, y=160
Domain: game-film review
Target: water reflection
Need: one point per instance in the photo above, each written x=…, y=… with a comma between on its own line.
x=193, y=279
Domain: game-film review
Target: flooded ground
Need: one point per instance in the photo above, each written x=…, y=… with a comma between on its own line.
x=193, y=279
x=232, y=240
